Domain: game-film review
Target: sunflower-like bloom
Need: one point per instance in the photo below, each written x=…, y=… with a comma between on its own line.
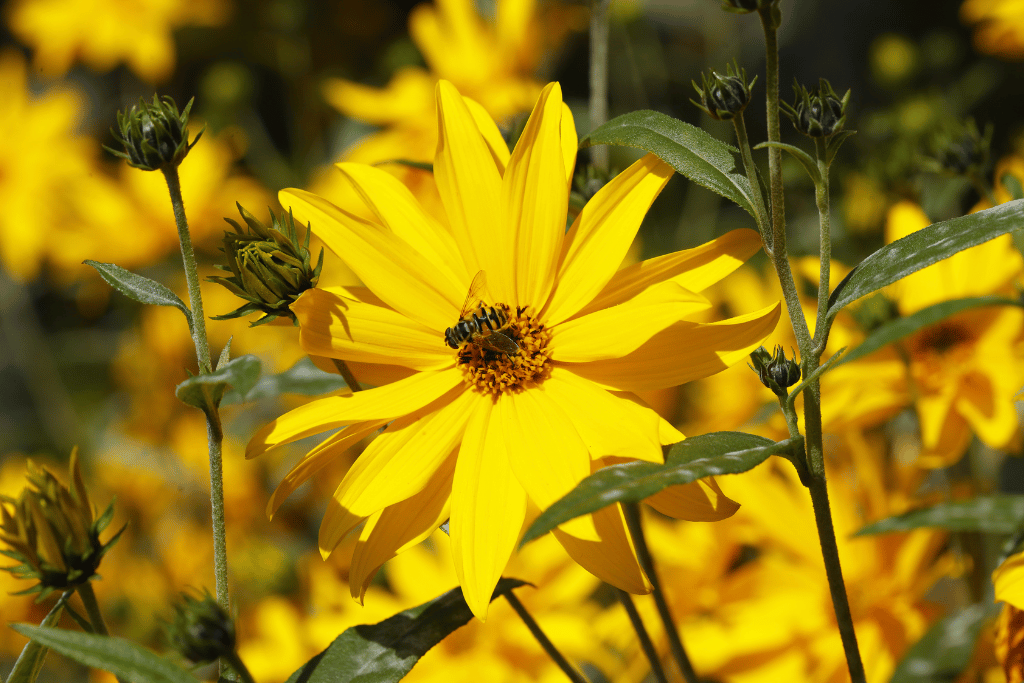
x=997, y=26
x=477, y=435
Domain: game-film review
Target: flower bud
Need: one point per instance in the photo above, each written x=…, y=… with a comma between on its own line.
x=960, y=149
x=202, y=630
x=51, y=530
x=269, y=268
x=775, y=371
x=724, y=97
x=817, y=112
x=155, y=136
x=746, y=6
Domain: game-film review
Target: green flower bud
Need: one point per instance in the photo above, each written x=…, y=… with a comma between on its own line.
x=155, y=136
x=51, y=530
x=746, y=6
x=724, y=97
x=586, y=184
x=817, y=112
x=269, y=268
x=775, y=371
x=202, y=630
x=960, y=149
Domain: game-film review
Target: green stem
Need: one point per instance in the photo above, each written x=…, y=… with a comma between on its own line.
x=214, y=431
x=239, y=667
x=821, y=196
x=643, y=553
x=743, y=142
x=545, y=642
x=599, y=77
x=92, y=608
x=346, y=374
x=26, y=668
x=641, y=633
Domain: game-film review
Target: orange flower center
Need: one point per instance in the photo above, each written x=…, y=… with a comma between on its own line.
x=491, y=371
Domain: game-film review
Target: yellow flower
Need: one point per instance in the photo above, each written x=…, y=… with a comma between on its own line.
x=479, y=436
x=966, y=369
x=103, y=34
x=999, y=26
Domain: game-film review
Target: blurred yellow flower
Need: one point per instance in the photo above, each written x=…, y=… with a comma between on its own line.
x=103, y=34
x=998, y=26
x=38, y=164
x=966, y=369
x=477, y=435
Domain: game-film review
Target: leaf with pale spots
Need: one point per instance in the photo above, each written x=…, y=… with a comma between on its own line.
x=207, y=390
x=303, y=378
x=695, y=458
x=996, y=514
x=140, y=288
x=946, y=649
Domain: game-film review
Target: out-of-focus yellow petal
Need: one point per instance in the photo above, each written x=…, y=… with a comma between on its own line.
x=700, y=501
x=335, y=327
x=397, y=209
x=487, y=510
x=400, y=526
x=318, y=458
x=382, y=403
x=617, y=331
x=400, y=462
x=612, y=559
x=683, y=352
x=696, y=269
x=609, y=425
x=546, y=453
x=470, y=187
x=601, y=235
x=398, y=274
x=401, y=100
x=1009, y=581
x=534, y=201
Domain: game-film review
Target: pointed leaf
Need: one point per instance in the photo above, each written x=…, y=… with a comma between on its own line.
x=302, y=378
x=923, y=248
x=140, y=288
x=206, y=391
x=1012, y=185
x=386, y=652
x=996, y=514
x=696, y=457
x=903, y=327
x=121, y=657
x=225, y=354
x=945, y=650
x=808, y=162
x=30, y=661
x=692, y=152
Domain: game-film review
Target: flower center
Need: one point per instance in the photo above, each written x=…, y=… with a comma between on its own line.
x=490, y=371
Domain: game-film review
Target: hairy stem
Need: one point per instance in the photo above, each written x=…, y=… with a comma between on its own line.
x=545, y=642
x=239, y=667
x=821, y=196
x=643, y=553
x=599, y=77
x=743, y=142
x=641, y=633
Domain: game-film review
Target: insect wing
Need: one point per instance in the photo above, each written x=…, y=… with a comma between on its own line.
x=500, y=342
x=473, y=295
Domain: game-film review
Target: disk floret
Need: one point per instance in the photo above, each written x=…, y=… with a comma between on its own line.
x=494, y=373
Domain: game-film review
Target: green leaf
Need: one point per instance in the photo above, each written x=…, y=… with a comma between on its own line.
x=206, y=391
x=902, y=327
x=692, y=152
x=225, y=354
x=120, y=657
x=996, y=514
x=945, y=650
x=687, y=461
x=386, y=652
x=834, y=143
x=140, y=288
x=808, y=162
x=30, y=661
x=302, y=378
x=1012, y=185
x=923, y=248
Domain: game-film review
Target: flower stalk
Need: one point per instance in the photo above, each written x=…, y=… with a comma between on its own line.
x=599, y=77
x=542, y=638
x=642, y=635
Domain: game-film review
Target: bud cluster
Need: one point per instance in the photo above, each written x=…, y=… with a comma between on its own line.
x=724, y=97
x=154, y=136
x=202, y=630
x=961, y=149
x=818, y=112
x=775, y=371
x=50, y=529
x=269, y=268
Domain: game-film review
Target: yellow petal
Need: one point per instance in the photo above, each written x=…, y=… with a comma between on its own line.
x=699, y=501
x=620, y=330
x=992, y=417
x=400, y=462
x=496, y=144
x=398, y=210
x=470, y=187
x=1009, y=581
x=400, y=526
x=394, y=271
x=335, y=526
x=601, y=235
x=487, y=510
x=401, y=99
x=335, y=327
x=612, y=559
x=316, y=459
x=608, y=424
x=534, y=201
x=696, y=269
x=547, y=454
x=383, y=403
x=570, y=143
x=683, y=352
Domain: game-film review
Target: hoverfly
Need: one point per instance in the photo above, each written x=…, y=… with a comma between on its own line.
x=480, y=324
